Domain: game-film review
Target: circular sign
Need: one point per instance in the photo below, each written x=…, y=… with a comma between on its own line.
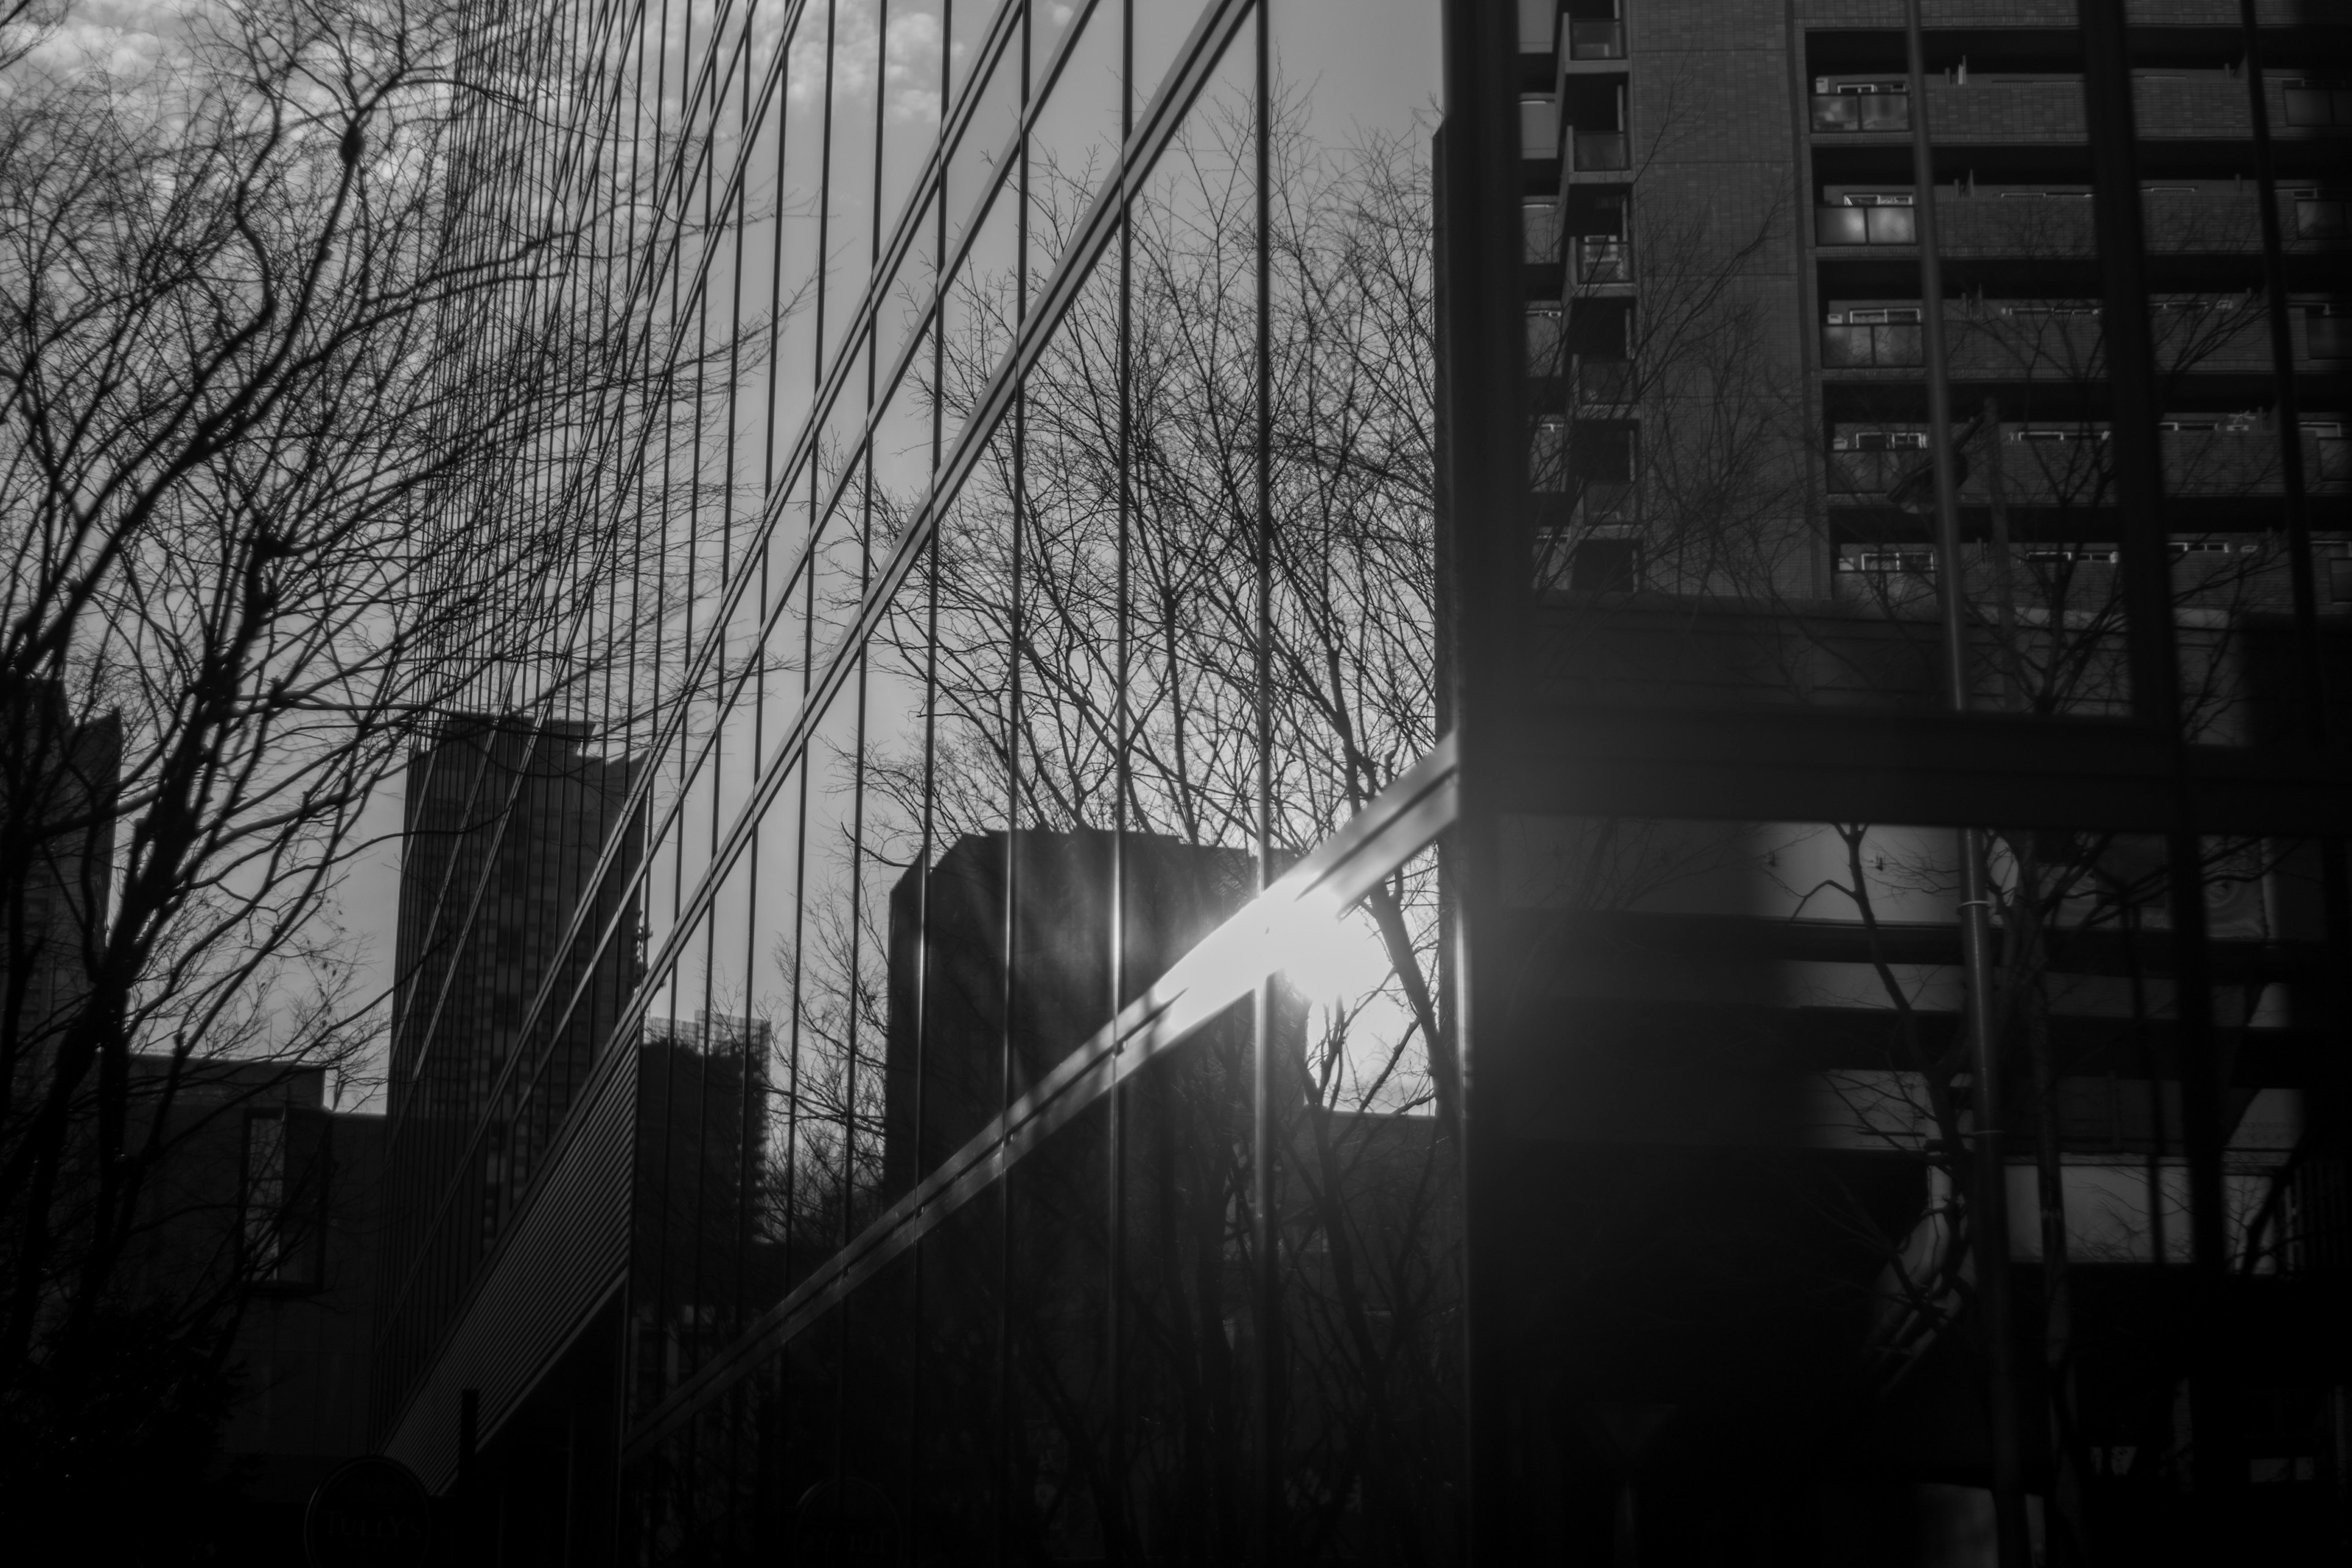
x=371, y=1513
x=845, y=1521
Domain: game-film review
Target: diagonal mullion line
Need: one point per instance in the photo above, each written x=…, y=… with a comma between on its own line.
x=1180, y=89
x=932, y=182
x=1221, y=969
x=608, y=15
x=803, y=452
x=466, y=926
x=1166, y=113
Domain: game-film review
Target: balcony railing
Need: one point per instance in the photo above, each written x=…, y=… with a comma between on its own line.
x=1604, y=259
x=1596, y=40
x=1865, y=226
x=1862, y=111
x=1602, y=382
x=1605, y=501
x=1600, y=152
x=1845, y=346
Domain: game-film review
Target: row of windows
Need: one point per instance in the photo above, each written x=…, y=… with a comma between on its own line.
x=1885, y=105
x=1888, y=219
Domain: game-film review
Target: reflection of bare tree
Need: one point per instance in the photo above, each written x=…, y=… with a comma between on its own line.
x=1123, y=611
x=302, y=450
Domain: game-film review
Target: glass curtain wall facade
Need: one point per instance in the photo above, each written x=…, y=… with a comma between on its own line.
x=1837, y=520
x=1900, y=697
x=1025, y=489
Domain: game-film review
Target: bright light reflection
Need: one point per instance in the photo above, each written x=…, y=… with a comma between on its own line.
x=1335, y=957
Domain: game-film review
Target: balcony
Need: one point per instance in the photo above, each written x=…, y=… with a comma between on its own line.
x=1865, y=226
x=1873, y=345
x=1835, y=112
x=1604, y=259
x=1605, y=501
x=1596, y=40
x=1602, y=382
x=1599, y=152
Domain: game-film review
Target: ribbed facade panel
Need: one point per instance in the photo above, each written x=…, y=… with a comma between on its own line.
x=562, y=1258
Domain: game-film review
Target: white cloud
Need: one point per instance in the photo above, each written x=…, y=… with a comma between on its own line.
x=908, y=60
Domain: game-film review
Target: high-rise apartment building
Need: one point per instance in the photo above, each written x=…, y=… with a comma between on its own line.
x=1736, y=1012
x=514, y=833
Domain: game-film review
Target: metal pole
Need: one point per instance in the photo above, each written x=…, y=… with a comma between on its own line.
x=1991, y=1172
x=1484, y=583
x=2015, y=693
x=2310, y=665
x=1263, y=1132
x=2156, y=704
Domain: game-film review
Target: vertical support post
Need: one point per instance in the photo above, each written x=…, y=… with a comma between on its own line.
x=1268, y=1240
x=2300, y=573
x=2310, y=662
x=1115, y=1133
x=2014, y=697
x=1484, y=573
x=1989, y=1195
x=2156, y=704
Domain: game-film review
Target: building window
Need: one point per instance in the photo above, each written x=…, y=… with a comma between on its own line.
x=2317, y=103
x=1600, y=152
x=2057, y=435
x=1603, y=381
x=1539, y=126
x=2329, y=330
x=1881, y=441
x=265, y=1192
x=1596, y=40
x=1544, y=339
x=1861, y=105
x=2334, y=454
x=1540, y=223
x=1602, y=454
x=281, y=1233
x=1908, y=562
x=1866, y=220
x=1547, y=456
x=2321, y=218
x=1538, y=24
